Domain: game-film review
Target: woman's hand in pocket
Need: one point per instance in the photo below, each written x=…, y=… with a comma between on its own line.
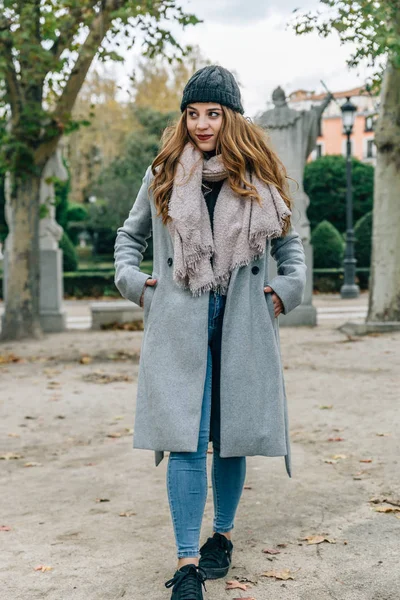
x=147, y=282
x=278, y=304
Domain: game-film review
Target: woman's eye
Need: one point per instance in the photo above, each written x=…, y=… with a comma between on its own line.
x=214, y=113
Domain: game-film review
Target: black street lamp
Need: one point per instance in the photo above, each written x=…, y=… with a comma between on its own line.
x=349, y=288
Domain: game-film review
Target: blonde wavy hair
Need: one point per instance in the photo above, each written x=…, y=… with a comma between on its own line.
x=242, y=145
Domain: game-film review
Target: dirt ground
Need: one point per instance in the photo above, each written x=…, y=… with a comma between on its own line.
x=69, y=472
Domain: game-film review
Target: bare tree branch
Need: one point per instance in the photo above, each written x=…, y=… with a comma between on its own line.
x=98, y=29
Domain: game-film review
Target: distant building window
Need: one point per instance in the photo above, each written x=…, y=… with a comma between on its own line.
x=319, y=151
x=369, y=123
x=370, y=149
x=320, y=128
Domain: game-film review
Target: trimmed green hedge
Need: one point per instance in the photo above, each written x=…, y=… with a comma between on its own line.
x=94, y=284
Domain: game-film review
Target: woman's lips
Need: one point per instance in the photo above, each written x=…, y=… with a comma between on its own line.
x=204, y=138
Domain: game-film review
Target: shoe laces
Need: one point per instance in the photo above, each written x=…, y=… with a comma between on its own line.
x=188, y=580
x=213, y=547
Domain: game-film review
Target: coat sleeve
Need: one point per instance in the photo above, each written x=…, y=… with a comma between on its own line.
x=130, y=244
x=290, y=281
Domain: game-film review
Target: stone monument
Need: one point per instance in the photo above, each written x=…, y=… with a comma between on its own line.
x=52, y=314
x=293, y=135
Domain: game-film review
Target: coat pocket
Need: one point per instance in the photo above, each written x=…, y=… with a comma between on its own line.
x=270, y=304
x=149, y=292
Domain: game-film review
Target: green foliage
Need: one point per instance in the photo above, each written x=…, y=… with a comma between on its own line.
x=328, y=246
x=325, y=184
x=70, y=257
x=371, y=27
x=363, y=245
x=120, y=182
x=61, y=190
x=46, y=49
x=76, y=212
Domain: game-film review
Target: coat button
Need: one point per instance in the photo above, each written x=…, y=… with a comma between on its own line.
x=169, y=261
x=255, y=270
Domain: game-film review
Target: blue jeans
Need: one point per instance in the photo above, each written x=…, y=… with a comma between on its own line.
x=187, y=471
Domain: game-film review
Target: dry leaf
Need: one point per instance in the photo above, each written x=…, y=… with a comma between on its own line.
x=335, y=439
x=387, y=509
x=128, y=513
x=5, y=528
x=388, y=500
x=53, y=385
x=318, y=539
x=271, y=551
x=14, y=435
x=32, y=464
x=326, y=406
x=102, y=500
x=244, y=598
x=85, y=359
x=330, y=461
x=383, y=434
x=284, y=574
x=99, y=377
x=114, y=435
x=43, y=568
x=10, y=456
x=119, y=418
x=9, y=358
x=232, y=585
x=338, y=456
x=366, y=460
x=281, y=545
x=247, y=487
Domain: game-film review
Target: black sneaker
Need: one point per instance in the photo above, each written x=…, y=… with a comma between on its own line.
x=187, y=583
x=216, y=556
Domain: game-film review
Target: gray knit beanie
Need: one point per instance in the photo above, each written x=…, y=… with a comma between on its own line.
x=213, y=84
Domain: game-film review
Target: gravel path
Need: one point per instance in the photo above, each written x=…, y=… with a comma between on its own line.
x=71, y=421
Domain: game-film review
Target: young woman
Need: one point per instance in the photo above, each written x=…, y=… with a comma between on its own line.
x=216, y=202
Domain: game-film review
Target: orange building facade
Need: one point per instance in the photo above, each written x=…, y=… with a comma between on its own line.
x=332, y=140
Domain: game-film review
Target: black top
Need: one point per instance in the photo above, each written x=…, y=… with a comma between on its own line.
x=211, y=190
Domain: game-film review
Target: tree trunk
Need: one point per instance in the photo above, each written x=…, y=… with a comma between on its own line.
x=21, y=318
x=384, y=298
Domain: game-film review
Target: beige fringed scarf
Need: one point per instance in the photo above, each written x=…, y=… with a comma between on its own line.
x=241, y=225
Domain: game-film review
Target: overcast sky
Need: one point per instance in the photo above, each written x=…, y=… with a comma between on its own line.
x=251, y=37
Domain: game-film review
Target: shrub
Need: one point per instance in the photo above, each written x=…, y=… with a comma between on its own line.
x=363, y=245
x=70, y=257
x=328, y=246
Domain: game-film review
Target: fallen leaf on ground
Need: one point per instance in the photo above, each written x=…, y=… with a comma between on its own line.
x=98, y=377
x=102, y=500
x=119, y=418
x=243, y=598
x=387, y=509
x=326, y=406
x=281, y=545
x=383, y=434
x=53, y=385
x=5, y=528
x=10, y=456
x=43, y=568
x=132, y=326
x=338, y=456
x=284, y=574
x=387, y=499
x=366, y=460
x=232, y=585
x=32, y=464
x=335, y=439
x=318, y=539
x=115, y=434
x=271, y=551
x=9, y=358
x=128, y=513
x=247, y=487
x=85, y=359
x=330, y=461
x=14, y=435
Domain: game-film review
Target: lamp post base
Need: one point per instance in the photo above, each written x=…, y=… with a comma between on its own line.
x=349, y=290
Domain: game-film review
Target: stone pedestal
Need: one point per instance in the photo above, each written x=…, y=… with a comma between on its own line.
x=305, y=314
x=52, y=314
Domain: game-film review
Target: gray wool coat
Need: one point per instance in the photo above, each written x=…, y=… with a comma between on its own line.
x=173, y=359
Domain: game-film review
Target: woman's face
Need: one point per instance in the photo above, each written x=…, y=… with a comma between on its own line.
x=204, y=120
